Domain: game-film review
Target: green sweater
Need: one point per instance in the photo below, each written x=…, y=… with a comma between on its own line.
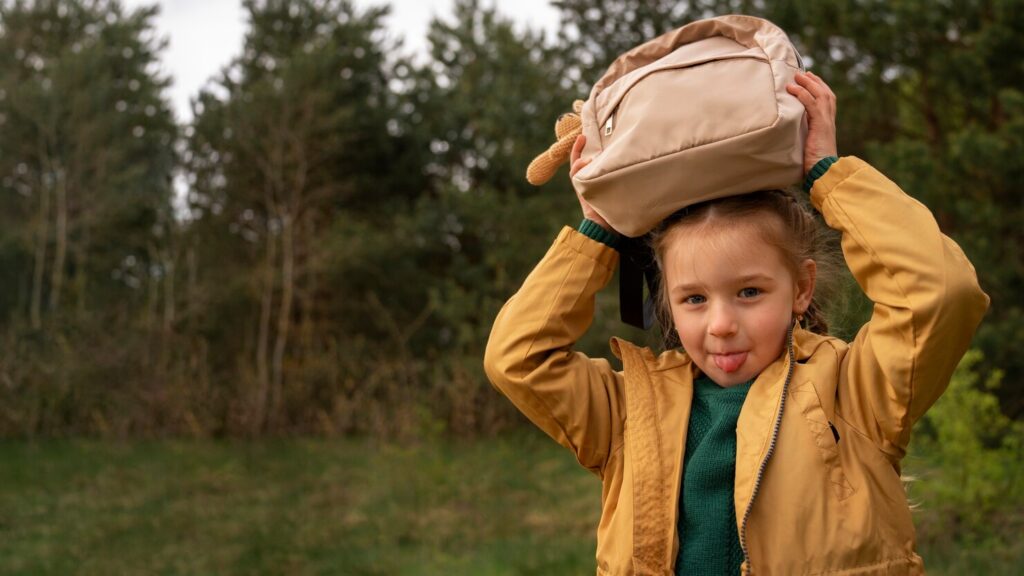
x=709, y=540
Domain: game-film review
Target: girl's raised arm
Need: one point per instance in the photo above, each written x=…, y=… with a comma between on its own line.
x=927, y=301
x=529, y=358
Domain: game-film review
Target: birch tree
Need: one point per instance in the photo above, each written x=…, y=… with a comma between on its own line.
x=87, y=151
x=293, y=131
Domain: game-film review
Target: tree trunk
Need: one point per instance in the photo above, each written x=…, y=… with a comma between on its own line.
x=307, y=296
x=152, y=287
x=167, y=323
x=167, y=260
x=42, y=238
x=285, y=309
x=61, y=234
x=191, y=284
x=263, y=336
x=78, y=280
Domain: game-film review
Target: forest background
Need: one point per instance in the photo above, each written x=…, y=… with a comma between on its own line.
x=352, y=219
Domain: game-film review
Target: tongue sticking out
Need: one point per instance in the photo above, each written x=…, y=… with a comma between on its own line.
x=730, y=362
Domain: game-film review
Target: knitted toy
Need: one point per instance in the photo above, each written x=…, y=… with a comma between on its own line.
x=567, y=128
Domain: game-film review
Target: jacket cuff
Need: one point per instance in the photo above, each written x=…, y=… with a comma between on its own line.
x=587, y=246
x=818, y=170
x=595, y=231
x=843, y=169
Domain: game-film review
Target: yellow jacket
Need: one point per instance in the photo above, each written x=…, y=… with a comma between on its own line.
x=805, y=502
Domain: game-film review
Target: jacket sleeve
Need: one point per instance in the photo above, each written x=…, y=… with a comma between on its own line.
x=529, y=358
x=927, y=302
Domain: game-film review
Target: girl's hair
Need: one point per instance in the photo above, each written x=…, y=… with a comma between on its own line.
x=781, y=220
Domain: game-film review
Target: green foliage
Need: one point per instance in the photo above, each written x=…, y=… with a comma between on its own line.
x=86, y=160
x=86, y=157
x=966, y=462
x=294, y=142
x=494, y=96
x=979, y=451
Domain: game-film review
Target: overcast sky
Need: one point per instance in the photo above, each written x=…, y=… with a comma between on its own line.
x=205, y=35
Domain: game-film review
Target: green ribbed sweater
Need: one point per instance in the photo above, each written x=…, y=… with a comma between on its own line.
x=708, y=540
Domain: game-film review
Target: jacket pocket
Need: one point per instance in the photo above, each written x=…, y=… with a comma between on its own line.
x=826, y=437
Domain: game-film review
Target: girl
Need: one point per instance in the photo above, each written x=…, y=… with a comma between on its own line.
x=763, y=445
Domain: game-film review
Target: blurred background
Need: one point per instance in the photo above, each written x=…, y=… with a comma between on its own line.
x=241, y=324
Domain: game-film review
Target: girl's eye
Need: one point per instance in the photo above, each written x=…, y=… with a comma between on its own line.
x=749, y=292
x=695, y=299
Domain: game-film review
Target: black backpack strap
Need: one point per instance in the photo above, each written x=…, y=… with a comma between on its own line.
x=636, y=265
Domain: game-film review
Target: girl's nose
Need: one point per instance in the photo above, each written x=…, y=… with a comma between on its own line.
x=722, y=322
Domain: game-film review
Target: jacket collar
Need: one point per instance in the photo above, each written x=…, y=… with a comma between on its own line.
x=657, y=459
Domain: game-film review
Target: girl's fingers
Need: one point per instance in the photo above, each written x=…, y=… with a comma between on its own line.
x=807, y=82
x=801, y=93
x=824, y=85
x=577, y=149
x=816, y=86
x=576, y=166
x=816, y=104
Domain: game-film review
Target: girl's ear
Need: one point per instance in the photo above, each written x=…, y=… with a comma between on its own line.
x=806, y=276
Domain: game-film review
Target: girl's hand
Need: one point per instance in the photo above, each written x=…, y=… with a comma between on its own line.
x=820, y=103
x=575, y=165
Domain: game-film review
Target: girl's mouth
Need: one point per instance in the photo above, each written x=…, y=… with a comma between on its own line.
x=729, y=363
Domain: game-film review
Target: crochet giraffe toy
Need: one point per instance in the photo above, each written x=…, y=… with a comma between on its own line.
x=567, y=128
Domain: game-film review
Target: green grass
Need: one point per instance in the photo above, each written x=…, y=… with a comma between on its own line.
x=517, y=504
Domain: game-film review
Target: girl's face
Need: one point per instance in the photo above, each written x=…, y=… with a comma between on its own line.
x=732, y=298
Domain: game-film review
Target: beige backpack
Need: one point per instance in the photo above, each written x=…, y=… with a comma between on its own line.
x=698, y=113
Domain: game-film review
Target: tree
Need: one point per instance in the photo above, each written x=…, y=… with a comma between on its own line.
x=85, y=172
x=81, y=107
x=295, y=131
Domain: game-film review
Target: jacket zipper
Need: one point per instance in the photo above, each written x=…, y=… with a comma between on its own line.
x=771, y=450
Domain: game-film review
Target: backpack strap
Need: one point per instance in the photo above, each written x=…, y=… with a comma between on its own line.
x=636, y=265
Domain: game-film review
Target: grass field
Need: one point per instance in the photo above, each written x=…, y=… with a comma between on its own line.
x=517, y=504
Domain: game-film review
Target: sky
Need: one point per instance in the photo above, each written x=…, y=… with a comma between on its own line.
x=204, y=35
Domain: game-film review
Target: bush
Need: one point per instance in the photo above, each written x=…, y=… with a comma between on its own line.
x=966, y=459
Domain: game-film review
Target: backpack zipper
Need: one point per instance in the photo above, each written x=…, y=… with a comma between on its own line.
x=764, y=463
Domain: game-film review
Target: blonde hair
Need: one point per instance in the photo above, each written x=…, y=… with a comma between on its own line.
x=781, y=220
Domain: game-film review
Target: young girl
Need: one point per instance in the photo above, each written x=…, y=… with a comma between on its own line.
x=761, y=446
